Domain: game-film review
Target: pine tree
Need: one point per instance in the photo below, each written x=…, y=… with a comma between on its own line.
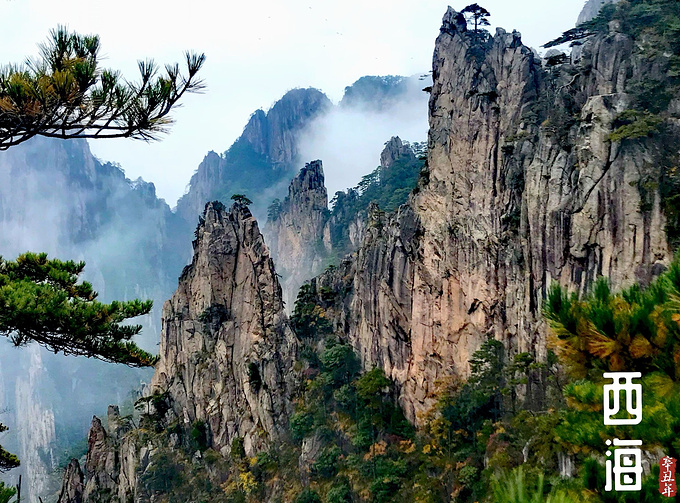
x=65, y=94
x=41, y=301
x=476, y=15
x=635, y=330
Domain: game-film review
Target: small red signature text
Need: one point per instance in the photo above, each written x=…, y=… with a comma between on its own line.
x=667, y=485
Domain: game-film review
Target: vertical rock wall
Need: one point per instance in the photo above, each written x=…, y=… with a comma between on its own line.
x=523, y=188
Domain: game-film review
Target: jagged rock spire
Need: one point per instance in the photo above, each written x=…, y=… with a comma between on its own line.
x=226, y=350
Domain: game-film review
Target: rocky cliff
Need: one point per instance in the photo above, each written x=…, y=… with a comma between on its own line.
x=295, y=228
x=305, y=235
x=523, y=188
x=226, y=348
x=225, y=376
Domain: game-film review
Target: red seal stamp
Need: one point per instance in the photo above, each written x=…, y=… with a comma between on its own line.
x=667, y=485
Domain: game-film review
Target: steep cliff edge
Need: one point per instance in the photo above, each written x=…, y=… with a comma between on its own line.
x=295, y=227
x=523, y=187
x=225, y=376
x=226, y=349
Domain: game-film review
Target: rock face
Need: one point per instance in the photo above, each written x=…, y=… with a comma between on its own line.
x=264, y=156
x=112, y=465
x=226, y=362
x=591, y=9
x=226, y=348
x=518, y=195
x=72, y=489
x=304, y=235
x=295, y=228
x=396, y=150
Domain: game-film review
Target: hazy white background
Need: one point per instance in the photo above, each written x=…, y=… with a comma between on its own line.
x=256, y=50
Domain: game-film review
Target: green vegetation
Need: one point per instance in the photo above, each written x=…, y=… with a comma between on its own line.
x=633, y=124
x=387, y=187
x=6, y=493
x=309, y=319
x=354, y=416
x=65, y=94
x=241, y=199
x=41, y=301
x=634, y=330
x=496, y=437
x=7, y=459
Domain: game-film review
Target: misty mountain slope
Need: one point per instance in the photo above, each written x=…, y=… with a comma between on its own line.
x=302, y=125
x=55, y=196
x=306, y=236
x=261, y=161
x=378, y=93
x=350, y=137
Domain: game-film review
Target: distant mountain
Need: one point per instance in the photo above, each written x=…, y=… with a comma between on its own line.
x=261, y=161
x=379, y=92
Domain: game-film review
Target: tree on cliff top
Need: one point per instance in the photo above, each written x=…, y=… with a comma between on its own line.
x=475, y=14
x=65, y=94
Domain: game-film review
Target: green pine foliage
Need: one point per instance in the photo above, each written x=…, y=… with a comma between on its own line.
x=66, y=94
x=41, y=301
x=6, y=493
x=7, y=459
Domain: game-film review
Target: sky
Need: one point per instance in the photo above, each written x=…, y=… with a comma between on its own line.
x=256, y=51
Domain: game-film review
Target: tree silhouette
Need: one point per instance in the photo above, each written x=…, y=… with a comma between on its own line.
x=65, y=94
x=474, y=14
x=241, y=199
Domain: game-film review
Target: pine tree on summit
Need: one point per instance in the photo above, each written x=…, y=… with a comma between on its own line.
x=477, y=15
x=64, y=94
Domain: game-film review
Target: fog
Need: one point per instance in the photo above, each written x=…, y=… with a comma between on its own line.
x=350, y=138
x=255, y=50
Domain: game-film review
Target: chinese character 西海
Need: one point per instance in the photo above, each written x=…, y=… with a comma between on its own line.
x=633, y=393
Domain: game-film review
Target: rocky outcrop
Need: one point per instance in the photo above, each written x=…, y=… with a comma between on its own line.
x=226, y=350
x=113, y=464
x=518, y=194
x=260, y=160
x=591, y=9
x=295, y=228
x=73, y=486
x=304, y=235
x=396, y=150
x=226, y=360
